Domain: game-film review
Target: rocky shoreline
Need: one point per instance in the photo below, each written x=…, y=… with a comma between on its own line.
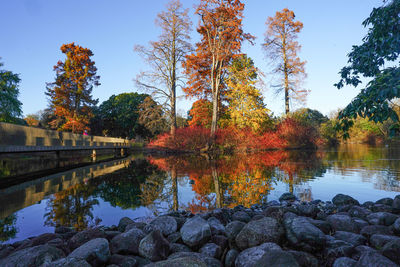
x=287, y=232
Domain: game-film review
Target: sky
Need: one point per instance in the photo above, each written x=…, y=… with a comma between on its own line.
x=34, y=30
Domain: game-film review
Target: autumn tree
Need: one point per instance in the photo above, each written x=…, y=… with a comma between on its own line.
x=70, y=95
x=282, y=48
x=201, y=113
x=151, y=116
x=246, y=107
x=222, y=35
x=165, y=56
x=10, y=106
x=32, y=120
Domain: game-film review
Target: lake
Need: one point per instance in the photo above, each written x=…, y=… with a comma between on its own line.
x=143, y=186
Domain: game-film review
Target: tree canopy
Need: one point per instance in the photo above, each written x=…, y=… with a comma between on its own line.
x=10, y=106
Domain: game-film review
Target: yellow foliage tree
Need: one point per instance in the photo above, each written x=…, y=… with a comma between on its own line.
x=246, y=107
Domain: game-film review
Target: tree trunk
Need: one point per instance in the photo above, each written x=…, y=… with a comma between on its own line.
x=174, y=178
x=214, y=118
x=218, y=200
x=173, y=111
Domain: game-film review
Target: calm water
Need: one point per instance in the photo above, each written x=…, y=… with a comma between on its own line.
x=144, y=186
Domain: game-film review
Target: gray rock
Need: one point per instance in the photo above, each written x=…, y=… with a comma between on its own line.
x=233, y=229
x=341, y=222
x=359, y=250
x=220, y=240
x=304, y=259
x=396, y=226
x=123, y=223
x=211, y=250
x=341, y=199
x=217, y=228
x=123, y=261
x=360, y=223
x=44, y=238
x=195, y=232
x=391, y=250
x=67, y=262
x=5, y=250
x=336, y=249
x=301, y=233
x=241, y=216
x=382, y=218
x=33, y=256
x=287, y=197
x=309, y=210
x=276, y=258
x=230, y=257
x=138, y=225
x=381, y=208
x=344, y=262
x=82, y=237
x=386, y=201
x=359, y=212
x=351, y=238
x=179, y=262
x=176, y=247
x=378, y=241
x=250, y=256
x=174, y=237
x=166, y=224
x=372, y=259
x=322, y=225
x=127, y=242
x=111, y=234
x=210, y=262
x=370, y=230
x=154, y=246
x=95, y=251
x=396, y=204
x=261, y=231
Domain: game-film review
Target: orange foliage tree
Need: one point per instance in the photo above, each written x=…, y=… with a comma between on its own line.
x=221, y=38
x=70, y=93
x=281, y=46
x=200, y=114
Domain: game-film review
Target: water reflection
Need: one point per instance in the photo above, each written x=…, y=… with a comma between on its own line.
x=141, y=186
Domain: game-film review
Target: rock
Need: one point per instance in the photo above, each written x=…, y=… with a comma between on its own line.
x=354, y=239
x=82, y=237
x=175, y=247
x=166, y=224
x=359, y=212
x=344, y=262
x=154, y=246
x=174, y=237
x=33, y=256
x=230, y=257
x=304, y=259
x=95, y=251
x=63, y=230
x=233, y=229
x=360, y=223
x=274, y=212
x=372, y=259
x=396, y=226
x=287, y=197
x=210, y=262
x=308, y=210
x=195, y=232
x=336, y=249
x=378, y=241
x=382, y=218
x=381, y=208
x=386, y=201
x=391, y=250
x=211, y=250
x=370, y=230
x=127, y=242
x=368, y=204
x=250, y=256
x=223, y=215
x=261, y=231
x=138, y=225
x=340, y=222
x=217, y=228
x=179, y=262
x=301, y=233
x=322, y=225
x=111, y=234
x=44, y=238
x=123, y=223
x=241, y=216
x=67, y=262
x=125, y=261
x=141, y=261
x=5, y=250
x=396, y=204
x=277, y=258
x=340, y=200
x=359, y=250
x=220, y=240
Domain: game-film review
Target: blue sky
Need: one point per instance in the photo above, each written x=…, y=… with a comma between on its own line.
x=34, y=30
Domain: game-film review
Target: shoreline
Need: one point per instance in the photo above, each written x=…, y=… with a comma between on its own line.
x=341, y=232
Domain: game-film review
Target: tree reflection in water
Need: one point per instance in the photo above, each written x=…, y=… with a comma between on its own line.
x=8, y=229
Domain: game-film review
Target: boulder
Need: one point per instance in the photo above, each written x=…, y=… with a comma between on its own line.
x=33, y=256
x=166, y=224
x=359, y=212
x=195, y=232
x=370, y=230
x=396, y=226
x=125, y=261
x=82, y=237
x=378, y=241
x=211, y=250
x=176, y=247
x=230, y=257
x=341, y=199
x=241, y=216
x=322, y=225
x=123, y=223
x=359, y=250
x=381, y=208
x=391, y=250
x=341, y=222
x=287, y=197
x=67, y=262
x=396, y=204
x=277, y=258
x=386, y=201
x=257, y=232
x=373, y=259
x=217, y=228
x=304, y=259
x=174, y=237
x=344, y=262
x=382, y=218
x=220, y=240
x=127, y=242
x=233, y=229
x=154, y=246
x=250, y=256
x=179, y=262
x=209, y=261
x=309, y=210
x=336, y=249
x=302, y=234
x=354, y=239
x=95, y=251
